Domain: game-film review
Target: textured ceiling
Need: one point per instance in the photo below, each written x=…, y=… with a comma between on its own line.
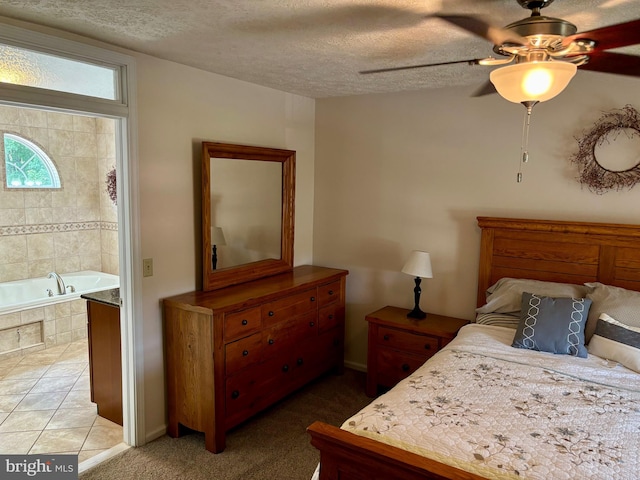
x=309, y=47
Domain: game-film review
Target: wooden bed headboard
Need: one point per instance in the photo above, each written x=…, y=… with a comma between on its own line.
x=558, y=251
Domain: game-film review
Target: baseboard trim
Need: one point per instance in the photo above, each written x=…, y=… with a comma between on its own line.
x=157, y=433
x=355, y=366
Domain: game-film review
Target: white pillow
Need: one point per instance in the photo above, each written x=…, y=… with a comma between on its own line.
x=619, y=303
x=505, y=296
x=616, y=341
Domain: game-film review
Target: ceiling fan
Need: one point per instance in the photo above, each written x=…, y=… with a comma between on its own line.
x=540, y=56
x=544, y=41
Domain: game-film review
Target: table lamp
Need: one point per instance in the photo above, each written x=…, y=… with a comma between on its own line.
x=419, y=265
x=217, y=238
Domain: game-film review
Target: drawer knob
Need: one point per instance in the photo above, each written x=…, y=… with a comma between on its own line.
x=405, y=368
x=330, y=292
x=271, y=340
x=312, y=324
x=336, y=342
x=331, y=316
x=386, y=337
x=427, y=346
x=235, y=394
x=300, y=361
x=271, y=314
x=285, y=368
x=245, y=321
x=245, y=353
x=313, y=299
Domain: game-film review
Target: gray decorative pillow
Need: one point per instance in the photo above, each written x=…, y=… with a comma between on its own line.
x=554, y=325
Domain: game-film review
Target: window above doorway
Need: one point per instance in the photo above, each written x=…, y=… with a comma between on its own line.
x=21, y=66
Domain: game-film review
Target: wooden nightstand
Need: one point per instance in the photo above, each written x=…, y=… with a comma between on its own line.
x=399, y=345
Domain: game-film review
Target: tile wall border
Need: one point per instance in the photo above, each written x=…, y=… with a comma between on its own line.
x=56, y=228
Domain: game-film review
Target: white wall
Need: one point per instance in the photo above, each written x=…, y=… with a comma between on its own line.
x=178, y=108
x=397, y=172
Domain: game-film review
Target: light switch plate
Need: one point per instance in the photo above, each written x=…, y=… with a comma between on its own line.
x=147, y=267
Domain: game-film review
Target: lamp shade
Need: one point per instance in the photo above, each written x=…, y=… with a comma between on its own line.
x=532, y=81
x=418, y=264
x=217, y=237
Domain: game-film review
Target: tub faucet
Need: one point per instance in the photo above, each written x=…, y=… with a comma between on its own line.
x=62, y=290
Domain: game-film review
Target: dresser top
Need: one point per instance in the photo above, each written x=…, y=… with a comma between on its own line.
x=257, y=291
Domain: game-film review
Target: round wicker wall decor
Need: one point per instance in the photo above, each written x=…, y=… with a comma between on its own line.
x=598, y=176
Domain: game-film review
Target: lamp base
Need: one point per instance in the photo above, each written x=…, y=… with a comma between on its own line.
x=416, y=313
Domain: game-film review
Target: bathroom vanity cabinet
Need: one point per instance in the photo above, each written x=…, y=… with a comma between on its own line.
x=105, y=357
x=233, y=352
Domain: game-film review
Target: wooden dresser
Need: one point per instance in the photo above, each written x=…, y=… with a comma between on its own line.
x=235, y=351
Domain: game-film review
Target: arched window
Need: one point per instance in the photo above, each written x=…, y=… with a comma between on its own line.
x=26, y=165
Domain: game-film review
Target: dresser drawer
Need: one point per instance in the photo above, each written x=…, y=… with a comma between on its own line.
x=329, y=317
x=322, y=348
x=289, y=333
x=252, y=390
x=242, y=323
x=243, y=390
x=288, y=307
x=318, y=355
x=242, y=353
x=393, y=365
x=420, y=344
x=328, y=293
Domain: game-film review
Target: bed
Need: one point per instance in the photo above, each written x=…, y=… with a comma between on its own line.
x=481, y=408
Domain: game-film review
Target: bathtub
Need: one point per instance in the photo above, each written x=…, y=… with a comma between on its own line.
x=33, y=292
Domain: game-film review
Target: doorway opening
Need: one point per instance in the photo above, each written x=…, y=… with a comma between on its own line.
x=116, y=108
x=71, y=229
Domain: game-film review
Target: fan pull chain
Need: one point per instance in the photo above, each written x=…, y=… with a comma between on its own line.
x=524, y=144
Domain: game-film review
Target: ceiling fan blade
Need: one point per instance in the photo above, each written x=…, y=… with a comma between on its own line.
x=613, y=36
x=482, y=28
x=486, y=89
x=609, y=62
x=475, y=61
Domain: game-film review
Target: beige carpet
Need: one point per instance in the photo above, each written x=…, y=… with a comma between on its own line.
x=272, y=446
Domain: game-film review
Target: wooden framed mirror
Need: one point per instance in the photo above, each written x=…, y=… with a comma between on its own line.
x=248, y=198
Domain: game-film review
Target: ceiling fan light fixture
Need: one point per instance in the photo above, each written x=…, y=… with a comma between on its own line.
x=532, y=81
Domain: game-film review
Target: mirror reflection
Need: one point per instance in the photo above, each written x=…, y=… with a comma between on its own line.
x=246, y=211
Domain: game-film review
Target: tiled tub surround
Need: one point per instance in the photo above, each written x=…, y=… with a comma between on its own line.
x=63, y=230
x=54, y=320
x=39, y=328
x=35, y=292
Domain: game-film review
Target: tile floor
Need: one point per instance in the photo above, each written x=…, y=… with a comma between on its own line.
x=45, y=405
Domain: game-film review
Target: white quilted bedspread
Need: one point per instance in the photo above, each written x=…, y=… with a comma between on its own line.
x=503, y=412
